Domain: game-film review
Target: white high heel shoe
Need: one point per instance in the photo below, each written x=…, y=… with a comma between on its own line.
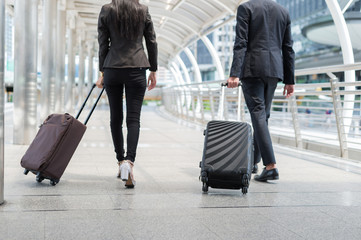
x=126, y=173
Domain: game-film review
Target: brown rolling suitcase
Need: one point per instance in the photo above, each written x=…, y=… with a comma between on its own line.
x=54, y=144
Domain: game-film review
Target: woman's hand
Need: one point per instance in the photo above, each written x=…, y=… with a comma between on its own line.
x=152, y=80
x=100, y=82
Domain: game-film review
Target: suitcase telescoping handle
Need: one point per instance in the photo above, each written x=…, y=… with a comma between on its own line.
x=226, y=84
x=94, y=106
x=222, y=100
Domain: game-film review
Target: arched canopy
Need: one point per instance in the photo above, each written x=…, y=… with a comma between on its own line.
x=177, y=22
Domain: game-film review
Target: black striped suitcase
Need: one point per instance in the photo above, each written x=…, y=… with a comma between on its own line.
x=227, y=155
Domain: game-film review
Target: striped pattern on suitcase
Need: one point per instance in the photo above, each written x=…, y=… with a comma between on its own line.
x=227, y=155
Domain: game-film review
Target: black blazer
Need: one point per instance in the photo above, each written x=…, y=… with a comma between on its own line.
x=118, y=52
x=263, y=45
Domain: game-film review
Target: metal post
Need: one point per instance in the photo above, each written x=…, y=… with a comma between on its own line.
x=239, y=103
x=225, y=108
x=69, y=101
x=185, y=103
x=296, y=124
x=48, y=58
x=339, y=121
x=25, y=81
x=176, y=103
x=242, y=109
x=60, y=61
x=200, y=97
x=193, y=103
x=222, y=98
x=2, y=91
x=211, y=102
x=179, y=94
x=168, y=100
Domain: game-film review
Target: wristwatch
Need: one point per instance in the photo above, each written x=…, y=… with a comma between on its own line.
x=101, y=74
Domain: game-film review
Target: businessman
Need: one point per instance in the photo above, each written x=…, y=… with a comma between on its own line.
x=262, y=56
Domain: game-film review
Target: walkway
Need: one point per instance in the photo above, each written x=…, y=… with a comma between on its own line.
x=310, y=201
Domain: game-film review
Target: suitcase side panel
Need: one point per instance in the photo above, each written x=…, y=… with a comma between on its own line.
x=228, y=153
x=45, y=141
x=65, y=150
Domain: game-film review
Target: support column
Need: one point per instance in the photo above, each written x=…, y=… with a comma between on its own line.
x=69, y=96
x=60, y=59
x=48, y=58
x=25, y=80
x=81, y=79
x=90, y=65
x=215, y=57
x=2, y=92
x=90, y=70
x=348, y=58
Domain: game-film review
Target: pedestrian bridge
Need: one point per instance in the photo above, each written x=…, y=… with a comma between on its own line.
x=316, y=136
x=317, y=196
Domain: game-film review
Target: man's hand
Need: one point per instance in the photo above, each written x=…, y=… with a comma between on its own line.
x=100, y=82
x=233, y=82
x=288, y=90
x=152, y=80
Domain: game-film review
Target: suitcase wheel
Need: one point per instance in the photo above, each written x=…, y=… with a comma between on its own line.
x=53, y=182
x=204, y=177
x=205, y=187
x=26, y=171
x=204, y=132
x=245, y=180
x=244, y=190
x=39, y=179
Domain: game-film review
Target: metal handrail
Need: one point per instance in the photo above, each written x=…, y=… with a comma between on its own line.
x=328, y=69
x=316, y=108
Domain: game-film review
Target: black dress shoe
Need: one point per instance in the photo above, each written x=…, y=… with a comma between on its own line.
x=255, y=168
x=267, y=175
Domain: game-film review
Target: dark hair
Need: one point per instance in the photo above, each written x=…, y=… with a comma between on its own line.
x=129, y=16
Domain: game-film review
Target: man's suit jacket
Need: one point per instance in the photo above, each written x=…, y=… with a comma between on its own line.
x=263, y=45
x=118, y=52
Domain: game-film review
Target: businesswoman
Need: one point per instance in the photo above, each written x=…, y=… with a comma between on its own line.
x=122, y=24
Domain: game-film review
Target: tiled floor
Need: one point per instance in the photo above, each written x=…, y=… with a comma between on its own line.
x=315, y=198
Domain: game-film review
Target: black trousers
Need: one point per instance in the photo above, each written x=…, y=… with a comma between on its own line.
x=134, y=82
x=258, y=93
